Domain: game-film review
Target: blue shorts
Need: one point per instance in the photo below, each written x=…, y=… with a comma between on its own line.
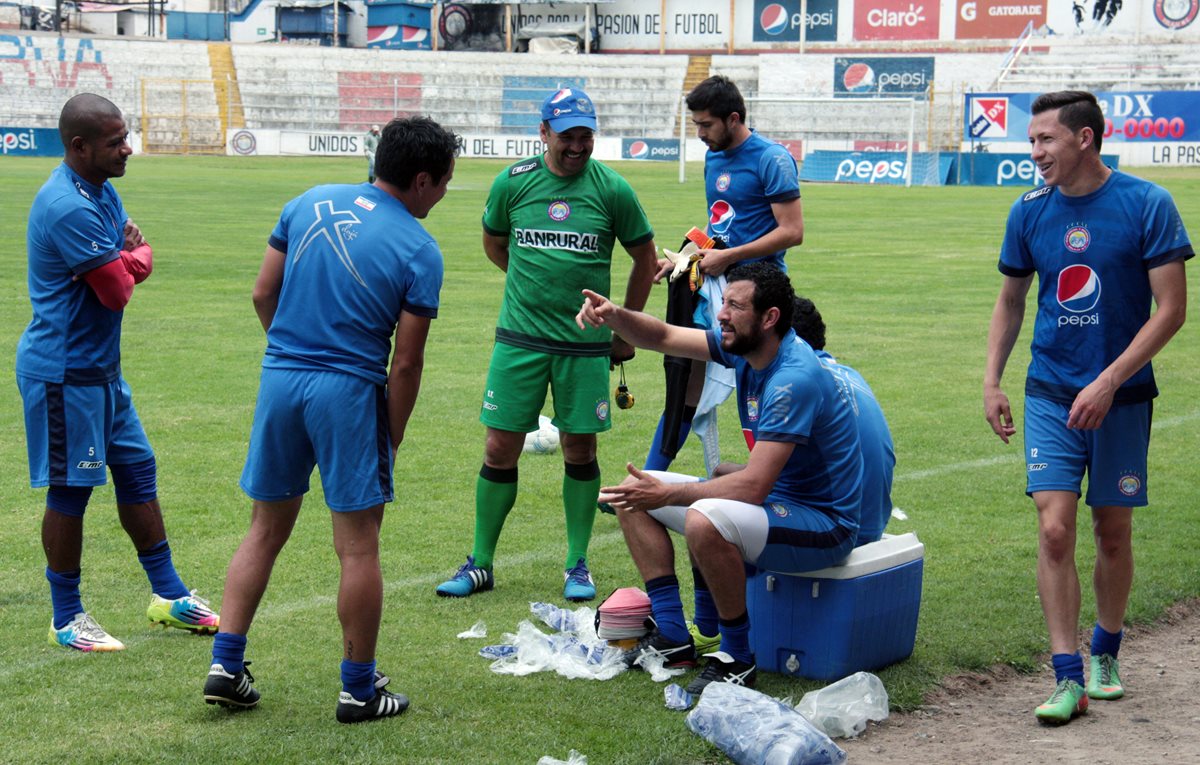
x=73, y=431
x=306, y=418
x=1113, y=455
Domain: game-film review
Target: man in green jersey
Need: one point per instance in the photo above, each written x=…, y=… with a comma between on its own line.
x=550, y=225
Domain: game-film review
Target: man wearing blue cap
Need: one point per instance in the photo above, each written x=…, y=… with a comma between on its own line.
x=550, y=224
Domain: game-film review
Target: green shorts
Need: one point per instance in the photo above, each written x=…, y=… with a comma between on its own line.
x=516, y=391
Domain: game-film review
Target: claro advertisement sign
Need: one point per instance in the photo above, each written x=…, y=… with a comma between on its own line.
x=896, y=20
x=997, y=19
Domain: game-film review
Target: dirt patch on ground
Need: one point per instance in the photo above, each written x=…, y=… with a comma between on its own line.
x=988, y=718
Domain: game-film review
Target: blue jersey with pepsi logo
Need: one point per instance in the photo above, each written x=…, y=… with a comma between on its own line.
x=878, y=451
x=741, y=184
x=794, y=399
x=74, y=227
x=355, y=259
x=1092, y=255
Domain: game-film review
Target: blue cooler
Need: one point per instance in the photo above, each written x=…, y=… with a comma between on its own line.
x=827, y=624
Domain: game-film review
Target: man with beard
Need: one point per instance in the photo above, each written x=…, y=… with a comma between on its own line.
x=794, y=506
x=753, y=192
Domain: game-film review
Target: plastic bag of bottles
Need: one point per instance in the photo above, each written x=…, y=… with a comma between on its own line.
x=752, y=728
x=561, y=652
x=842, y=709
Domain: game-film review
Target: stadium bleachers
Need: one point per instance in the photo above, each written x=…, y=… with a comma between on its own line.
x=167, y=87
x=1079, y=63
x=349, y=89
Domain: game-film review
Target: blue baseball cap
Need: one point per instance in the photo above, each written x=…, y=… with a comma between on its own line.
x=568, y=108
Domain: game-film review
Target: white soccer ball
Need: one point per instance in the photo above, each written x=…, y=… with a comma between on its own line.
x=544, y=440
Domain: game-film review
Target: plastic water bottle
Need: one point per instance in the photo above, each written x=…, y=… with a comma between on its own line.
x=553, y=616
x=494, y=652
x=752, y=728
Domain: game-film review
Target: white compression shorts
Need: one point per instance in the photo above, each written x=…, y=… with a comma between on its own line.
x=741, y=524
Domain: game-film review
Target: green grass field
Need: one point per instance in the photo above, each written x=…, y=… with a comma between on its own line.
x=906, y=280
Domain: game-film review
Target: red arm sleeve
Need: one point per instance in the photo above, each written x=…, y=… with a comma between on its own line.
x=112, y=283
x=139, y=262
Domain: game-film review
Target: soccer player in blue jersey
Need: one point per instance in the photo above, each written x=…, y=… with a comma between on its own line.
x=85, y=256
x=753, y=192
x=1103, y=244
x=793, y=507
x=879, y=453
x=347, y=269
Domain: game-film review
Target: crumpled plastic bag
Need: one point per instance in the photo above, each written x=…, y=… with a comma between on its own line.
x=574, y=652
x=655, y=666
x=842, y=709
x=477, y=631
x=752, y=728
x=574, y=758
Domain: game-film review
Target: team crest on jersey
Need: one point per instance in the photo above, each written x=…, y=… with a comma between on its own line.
x=602, y=410
x=1077, y=238
x=723, y=182
x=752, y=408
x=365, y=203
x=559, y=210
x=1043, y=191
x=1129, y=484
x=779, y=510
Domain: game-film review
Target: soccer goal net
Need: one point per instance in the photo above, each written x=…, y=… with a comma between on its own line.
x=826, y=130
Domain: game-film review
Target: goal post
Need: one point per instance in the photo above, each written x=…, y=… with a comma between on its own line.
x=832, y=125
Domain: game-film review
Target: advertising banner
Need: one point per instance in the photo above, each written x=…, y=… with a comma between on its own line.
x=997, y=19
x=900, y=76
x=780, y=21
x=30, y=142
x=984, y=169
x=896, y=20
x=633, y=25
x=878, y=167
x=1168, y=116
x=663, y=149
x=322, y=144
x=501, y=146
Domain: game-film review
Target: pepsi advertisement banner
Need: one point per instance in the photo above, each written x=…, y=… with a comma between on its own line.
x=984, y=169
x=780, y=21
x=909, y=76
x=666, y=149
x=878, y=167
x=1167, y=116
x=30, y=142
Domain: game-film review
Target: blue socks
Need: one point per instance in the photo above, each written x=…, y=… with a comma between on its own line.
x=735, y=639
x=229, y=650
x=358, y=679
x=655, y=459
x=164, y=580
x=667, y=608
x=705, y=617
x=1105, y=642
x=64, y=595
x=1068, y=666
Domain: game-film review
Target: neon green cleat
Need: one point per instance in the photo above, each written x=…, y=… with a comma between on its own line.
x=704, y=643
x=191, y=612
x=1103, y=681
x=1067, y=701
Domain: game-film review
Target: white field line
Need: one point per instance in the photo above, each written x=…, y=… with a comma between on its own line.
x=1009, y=456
